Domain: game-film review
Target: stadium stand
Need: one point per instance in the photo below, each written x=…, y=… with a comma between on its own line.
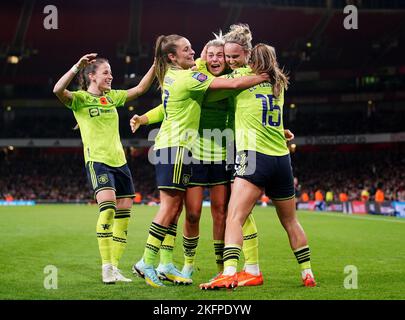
x=342, y=83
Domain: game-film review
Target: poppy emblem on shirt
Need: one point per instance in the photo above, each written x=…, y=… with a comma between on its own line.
x=103, y=100
x=200, y=76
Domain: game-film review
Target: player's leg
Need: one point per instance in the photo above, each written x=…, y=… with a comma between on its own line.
x=250, y=275
x=107, y=206
x=104, y=190
x=243, y=198
x=120, y=234
x=191, y=230
x=219, y=195
x=281, y=191
x=124, y=193
x=166, y=269
x=172, y=177
x=298, y=240
x=170, y=200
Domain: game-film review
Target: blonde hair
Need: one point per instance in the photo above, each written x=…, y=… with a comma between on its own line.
x=263, y=59
x=239, y=33
x=218, y=41
x=164, y=45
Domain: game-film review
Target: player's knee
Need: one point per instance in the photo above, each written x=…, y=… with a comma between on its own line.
x=193, y=217
x=218, y=210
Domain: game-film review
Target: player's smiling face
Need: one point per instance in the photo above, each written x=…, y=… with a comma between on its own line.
x=102, y=77
x=184, y=57
x=235, y=55
x=215, y=60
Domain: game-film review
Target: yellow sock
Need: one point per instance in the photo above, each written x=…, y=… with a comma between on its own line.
x=303, y=256
x=219, y=254
x=156, y=235
x=104, y=230
x=189, y=248
x=166, y=249
x=120, y=233
x=231, y=258
x=250, y=246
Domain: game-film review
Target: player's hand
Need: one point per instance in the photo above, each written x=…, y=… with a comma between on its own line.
x=135, y=123
x=265, y=76
x=288, y=135
x=203, y=55
x=86, y=60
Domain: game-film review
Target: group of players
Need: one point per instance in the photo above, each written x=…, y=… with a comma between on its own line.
x=232, y=87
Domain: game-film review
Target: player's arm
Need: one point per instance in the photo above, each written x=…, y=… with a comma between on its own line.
x=64, y=95
x=155, y=115
x=216, y=94
x=143, y=85
x=244, y=82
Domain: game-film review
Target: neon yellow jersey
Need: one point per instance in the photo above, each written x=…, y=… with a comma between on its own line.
x=182, y=96
x=216, y=126
x=98, y=122
x=259, y=118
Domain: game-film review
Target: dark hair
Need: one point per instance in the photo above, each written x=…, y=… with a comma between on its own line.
x=164, y=45
x=84, y=80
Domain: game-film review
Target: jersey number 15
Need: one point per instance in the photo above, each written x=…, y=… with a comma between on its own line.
x=267, y=104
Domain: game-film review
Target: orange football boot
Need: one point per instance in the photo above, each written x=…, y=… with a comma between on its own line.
x=221, y=281
x=309, y=281
x=247, y=279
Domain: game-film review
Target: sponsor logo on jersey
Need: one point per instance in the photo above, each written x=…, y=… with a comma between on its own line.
x=102, y=179
x=200, y=76
x=94, y=112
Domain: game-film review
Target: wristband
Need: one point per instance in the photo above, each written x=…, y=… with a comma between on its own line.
x=75, y=69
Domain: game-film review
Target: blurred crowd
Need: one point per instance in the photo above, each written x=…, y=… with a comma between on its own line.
x=58, y=175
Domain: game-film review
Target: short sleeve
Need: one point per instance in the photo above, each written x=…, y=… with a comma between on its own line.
x=77, y=100
x=119, y=97
x=199, y=81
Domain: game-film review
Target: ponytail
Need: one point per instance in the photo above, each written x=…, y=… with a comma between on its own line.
x=163, y=46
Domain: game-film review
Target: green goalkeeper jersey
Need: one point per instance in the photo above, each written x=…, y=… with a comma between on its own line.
x=259, y=118
x=99, y=125
x=216, y=126
x=182, y=96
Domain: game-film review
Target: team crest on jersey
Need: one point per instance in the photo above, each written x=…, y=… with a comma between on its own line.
x=200, y=76
x=110, y=100
x=102, y=179
x=94, y=112
x=186, y=179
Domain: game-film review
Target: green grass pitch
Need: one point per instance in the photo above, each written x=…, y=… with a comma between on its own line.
x=64, y=236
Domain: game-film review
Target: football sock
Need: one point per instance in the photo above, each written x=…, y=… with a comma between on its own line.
x=104, y=230
x=250, y=246
x=303, y=256
x=231, y=258
x=166, y=249
x=119, y=236
x=190, y=248
x=156, y=235
x=219, y=254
